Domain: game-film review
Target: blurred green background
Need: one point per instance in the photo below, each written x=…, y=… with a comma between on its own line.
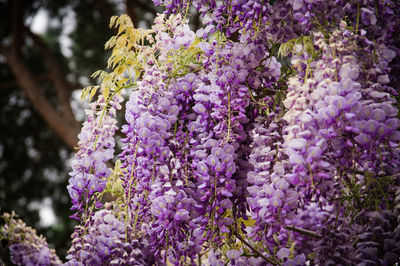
x=48, y=49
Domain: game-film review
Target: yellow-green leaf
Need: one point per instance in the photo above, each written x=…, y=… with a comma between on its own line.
x=120, y=70
x=122, y=81
x=92, y=93
x=249, y=222
x=106, y=92
x=112, y=21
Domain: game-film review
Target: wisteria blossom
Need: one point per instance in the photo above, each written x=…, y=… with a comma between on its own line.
x=269, y=136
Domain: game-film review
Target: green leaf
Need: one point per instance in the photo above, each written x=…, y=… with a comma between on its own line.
x=92, y=92
x=112, y=21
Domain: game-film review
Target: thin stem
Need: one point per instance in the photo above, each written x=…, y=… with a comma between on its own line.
x=358, y=16
x=103, y=112
x=186, y=166
x=303, y=232
x=307, y=71
x=166, y=248
x=337, y=214
x=129, y=192
x=259, y=22
x=356, y=171
x=311, y=176
x=229, y=116
x=254, y=250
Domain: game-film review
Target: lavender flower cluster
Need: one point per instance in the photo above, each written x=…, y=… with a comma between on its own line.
x=104, y=240
x=268, y=137
x=96, y=141
x=26, y=247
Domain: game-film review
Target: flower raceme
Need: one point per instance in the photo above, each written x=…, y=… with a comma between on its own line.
x=26, y=247
x=96, y=140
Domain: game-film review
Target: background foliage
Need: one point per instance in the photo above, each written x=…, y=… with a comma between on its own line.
x=33, y=156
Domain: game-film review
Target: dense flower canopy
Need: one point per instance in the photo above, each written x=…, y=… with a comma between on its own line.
x=268, y=137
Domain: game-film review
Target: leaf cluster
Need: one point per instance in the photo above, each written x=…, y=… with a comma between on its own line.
x=299, y=46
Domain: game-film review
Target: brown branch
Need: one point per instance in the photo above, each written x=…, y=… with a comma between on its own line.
x=255, y=250
x=61, y=85
x=12, y=84
x=61, y=121
x=146, y=7
x=130, y=9
x=105, y=10
x=38, y=78
x=363, y=173
x=17, y=25
x=196, y=21
x=66, y=129
x=304, y=232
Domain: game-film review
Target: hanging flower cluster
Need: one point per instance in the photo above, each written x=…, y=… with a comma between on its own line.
x=268, y=137
x=26, y=247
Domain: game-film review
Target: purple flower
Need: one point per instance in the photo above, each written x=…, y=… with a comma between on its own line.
x=89, y=169
x=212, y=160
x=26, y=247
x=283, y=253
x=200, y=109
x=182, y=215
x=105, y=241
x=368, y=16
x=362, y=139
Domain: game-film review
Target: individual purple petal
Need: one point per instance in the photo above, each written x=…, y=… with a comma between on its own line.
x=182, y=215
x=201, y=154
x=297, y=144
x=233, y=254
x=295, y=158
x=393, y=123
x=200, y=109
x=202, y=167
x=371, y=126
x=212, y=160
x=276, y=202
x=362, y=139
x=314, y=153
x=300, y=259
x=217, y=151
x=281, y=184
x=283, y=253
x=228, y=149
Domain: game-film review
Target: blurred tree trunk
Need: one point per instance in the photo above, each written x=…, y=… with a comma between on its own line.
x=56, y=112
x=58, y=116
